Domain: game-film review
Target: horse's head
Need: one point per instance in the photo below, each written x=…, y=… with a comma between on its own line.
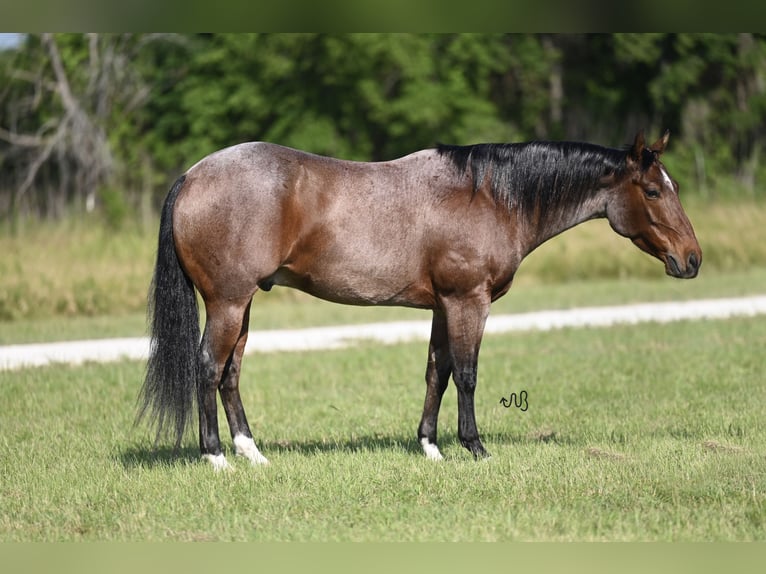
x=645, y=208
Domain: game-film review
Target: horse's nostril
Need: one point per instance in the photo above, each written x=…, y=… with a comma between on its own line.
x=693, y=260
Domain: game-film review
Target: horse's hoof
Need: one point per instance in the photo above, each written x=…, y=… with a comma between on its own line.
x=431, y=450
x=218, y=461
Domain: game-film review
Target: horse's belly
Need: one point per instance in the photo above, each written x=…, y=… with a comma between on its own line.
x=357, y=288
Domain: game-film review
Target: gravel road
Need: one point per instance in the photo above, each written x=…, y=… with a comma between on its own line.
x=104, y=350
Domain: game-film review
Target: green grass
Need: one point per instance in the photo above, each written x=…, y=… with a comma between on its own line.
x=650, y=432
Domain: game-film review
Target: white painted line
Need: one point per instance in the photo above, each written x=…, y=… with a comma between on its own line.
x=319, y=338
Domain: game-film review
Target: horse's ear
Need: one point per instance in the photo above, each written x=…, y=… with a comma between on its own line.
x=637, y=149
x=660, y=145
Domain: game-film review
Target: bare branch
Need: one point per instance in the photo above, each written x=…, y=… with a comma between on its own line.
x=41, y=158
x=70, y=104
x=22, y=140
x=73, y=147
x=35, y=79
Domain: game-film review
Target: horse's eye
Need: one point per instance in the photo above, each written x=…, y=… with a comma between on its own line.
x=652, y=193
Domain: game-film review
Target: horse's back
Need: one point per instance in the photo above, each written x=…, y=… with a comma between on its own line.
x=269, y=184
x=253, y=167
x=352, y=232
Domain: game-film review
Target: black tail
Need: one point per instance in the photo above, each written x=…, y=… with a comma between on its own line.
x=169, y=391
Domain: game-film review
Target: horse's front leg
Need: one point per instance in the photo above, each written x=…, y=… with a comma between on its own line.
x=437, y=378
x=466, y=317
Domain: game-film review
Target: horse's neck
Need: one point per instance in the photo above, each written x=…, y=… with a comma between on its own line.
x=556, y=221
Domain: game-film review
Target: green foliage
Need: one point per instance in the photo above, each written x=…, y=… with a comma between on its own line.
x=360, y=96
x=115, y=208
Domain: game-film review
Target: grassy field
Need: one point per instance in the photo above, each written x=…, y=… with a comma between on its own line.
x=651, y=432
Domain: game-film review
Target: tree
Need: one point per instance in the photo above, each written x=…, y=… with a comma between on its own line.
x=116, y=117
x=66, y=93
x=710, y=88
x=359, y=96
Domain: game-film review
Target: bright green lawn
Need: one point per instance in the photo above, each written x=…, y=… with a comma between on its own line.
x=650, y=432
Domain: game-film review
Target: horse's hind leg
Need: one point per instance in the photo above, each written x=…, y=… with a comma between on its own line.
x=221, y=339
x=232, y=403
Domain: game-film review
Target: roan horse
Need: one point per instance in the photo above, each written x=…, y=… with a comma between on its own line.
x=442, y=229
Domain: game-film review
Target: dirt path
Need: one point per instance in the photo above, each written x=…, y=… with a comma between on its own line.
x=103, y=350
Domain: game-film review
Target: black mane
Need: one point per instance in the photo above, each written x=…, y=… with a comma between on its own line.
x=542, y=176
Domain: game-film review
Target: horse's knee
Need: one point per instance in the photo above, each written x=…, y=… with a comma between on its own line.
x=465, y=379
x=207, y=364
x=230, y=381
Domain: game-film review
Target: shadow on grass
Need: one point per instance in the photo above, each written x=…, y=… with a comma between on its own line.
x=138, y=456
x=352, y=444
x=448, y=440
x=141, y=456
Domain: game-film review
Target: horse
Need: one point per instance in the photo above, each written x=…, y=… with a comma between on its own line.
x=443, y=229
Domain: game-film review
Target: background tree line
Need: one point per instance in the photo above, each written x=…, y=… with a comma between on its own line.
x=105, y=122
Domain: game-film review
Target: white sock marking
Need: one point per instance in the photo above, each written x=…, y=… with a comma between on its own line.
x=431, y=450
x=245, y=446
x=218, y=461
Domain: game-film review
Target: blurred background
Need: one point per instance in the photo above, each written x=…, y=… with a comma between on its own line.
x=95, y=127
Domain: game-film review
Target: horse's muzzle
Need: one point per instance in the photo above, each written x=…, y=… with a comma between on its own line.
x=689, y=269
